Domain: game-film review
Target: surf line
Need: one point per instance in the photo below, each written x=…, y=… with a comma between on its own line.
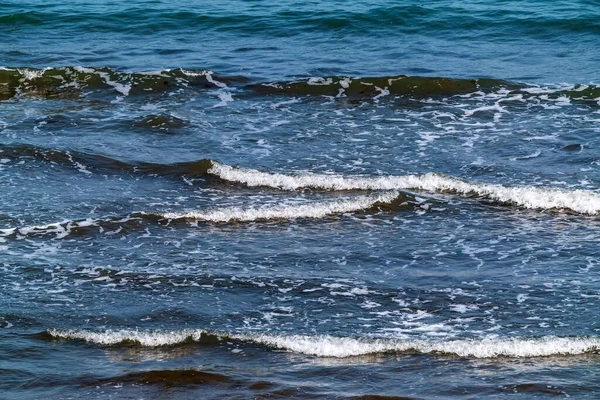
x=532, y=197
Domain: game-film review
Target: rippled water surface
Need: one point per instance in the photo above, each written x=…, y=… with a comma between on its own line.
x=316, y=200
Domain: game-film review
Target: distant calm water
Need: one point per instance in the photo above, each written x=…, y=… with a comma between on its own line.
x=323, y=199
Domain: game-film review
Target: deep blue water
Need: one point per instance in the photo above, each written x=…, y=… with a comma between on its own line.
x=317, y=200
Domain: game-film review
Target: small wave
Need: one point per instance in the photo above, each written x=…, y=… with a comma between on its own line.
x=114, y=225
x=532, y=197
x=580, y=201
x=286, y=211
x=49, y=82
x=69, y=80
x=341, y=347
x=379, y=86
x=422, y=86
x=96, y=163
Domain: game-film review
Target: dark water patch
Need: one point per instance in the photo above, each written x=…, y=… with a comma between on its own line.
x=98, y=163
x=101, y=164
x=208, y=383
x=383, y=397
x=534, y=389
x=169, y=124
x=573, y=147
x=169, y=378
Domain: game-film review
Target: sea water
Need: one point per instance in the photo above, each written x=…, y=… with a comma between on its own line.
x=328, y=199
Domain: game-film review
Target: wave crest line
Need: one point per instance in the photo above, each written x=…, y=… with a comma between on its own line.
x=342, y=347
x=286, y=211
x=532, y=197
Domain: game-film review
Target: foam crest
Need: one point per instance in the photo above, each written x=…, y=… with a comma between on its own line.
x=341, y=347
x=581, y=201
x=328, y=346
x=68, y=227
x=144, y=338
x=286, y=211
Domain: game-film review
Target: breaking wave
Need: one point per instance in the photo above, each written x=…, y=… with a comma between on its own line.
x=286, y=211
x=113, y=225
x=531, y=197
x=331, y=346
x=580, y=201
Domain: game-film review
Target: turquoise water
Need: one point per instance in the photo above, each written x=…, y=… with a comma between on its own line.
x=316, y=200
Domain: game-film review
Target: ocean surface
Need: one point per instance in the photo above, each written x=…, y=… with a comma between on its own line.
x=320, y=199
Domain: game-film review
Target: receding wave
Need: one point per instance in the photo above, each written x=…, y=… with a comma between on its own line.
x=580, y=201
x=341, y=347
x=286, y=211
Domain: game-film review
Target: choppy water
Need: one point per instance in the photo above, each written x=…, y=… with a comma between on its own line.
x=317, y=200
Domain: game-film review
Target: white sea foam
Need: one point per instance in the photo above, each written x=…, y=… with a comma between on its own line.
x=84, y=70
x=331, y=346
x=286, y=211
x=30, y=74
x=581, y=201
x=119, y=87
x=144, y=338
x=61, y=229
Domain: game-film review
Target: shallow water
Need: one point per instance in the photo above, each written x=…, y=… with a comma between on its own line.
x=317, y=200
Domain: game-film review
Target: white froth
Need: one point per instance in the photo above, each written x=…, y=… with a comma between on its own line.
x=582, y=201
x=29, y=74
x=319, y=81
x=208, y=75
x=119, y=87
x=61, y=229
x=224, y=97
x=286, y=211
x=330, y=346
x=144, y=338
x=84, y=70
